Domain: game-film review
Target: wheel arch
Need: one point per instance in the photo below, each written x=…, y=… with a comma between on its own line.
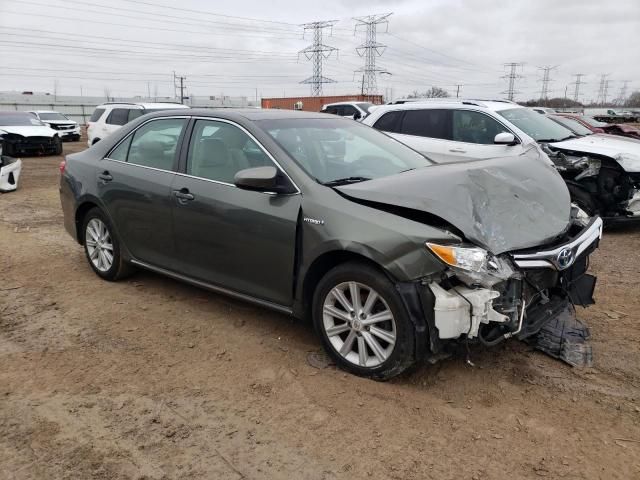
x=319, y=268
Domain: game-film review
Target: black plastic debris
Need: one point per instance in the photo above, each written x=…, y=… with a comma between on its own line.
x=566, y=338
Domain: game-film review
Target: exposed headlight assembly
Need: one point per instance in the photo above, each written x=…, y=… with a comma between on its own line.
x=473, y=259
x=473, y=264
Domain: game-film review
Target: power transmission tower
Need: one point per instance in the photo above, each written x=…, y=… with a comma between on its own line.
x=622, y=96
x=317, y=52
x=458, y=86
x=370, y=49
x=544, y=92
x=512, y=76
x=577, y=83
x=603, y=89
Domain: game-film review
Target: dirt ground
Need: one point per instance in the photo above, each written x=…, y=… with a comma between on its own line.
x=151, y=379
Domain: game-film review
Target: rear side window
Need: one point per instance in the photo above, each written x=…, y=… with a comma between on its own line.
x=121, y=151
x=427, y=123
x=118, y=116
x=389, y=122
x=155, y=143
x=475, y=127
x=97, y=113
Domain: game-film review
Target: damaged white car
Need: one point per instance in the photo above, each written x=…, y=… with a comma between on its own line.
x=10, y=169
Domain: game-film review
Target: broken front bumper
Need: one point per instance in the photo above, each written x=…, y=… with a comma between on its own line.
x=544, y=283
x=9, y=173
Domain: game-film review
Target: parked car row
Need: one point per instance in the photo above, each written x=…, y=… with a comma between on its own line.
x=393, y=255
x=602, y=172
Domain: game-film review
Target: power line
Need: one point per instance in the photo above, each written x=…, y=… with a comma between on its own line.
x=317, y=53
x=370, y=49
x=512, y=76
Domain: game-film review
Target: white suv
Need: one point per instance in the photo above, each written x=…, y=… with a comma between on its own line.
x=67, y=129
x=602, y=172
x=109, y=117
x=452, y=130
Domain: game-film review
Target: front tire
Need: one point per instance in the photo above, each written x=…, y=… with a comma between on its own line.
x=362, y=321
x=102, y=247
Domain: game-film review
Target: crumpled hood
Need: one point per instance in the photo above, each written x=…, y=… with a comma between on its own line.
x=613, y=146
x=29, y=131
x=501, y=204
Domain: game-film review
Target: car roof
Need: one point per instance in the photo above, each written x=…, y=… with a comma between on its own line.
x=43, y=111
x=494, y=105
x=144, y=105
x=352, y=102
x=250, y=114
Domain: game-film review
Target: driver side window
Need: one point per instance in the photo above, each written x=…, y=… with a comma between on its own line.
x=219, y=150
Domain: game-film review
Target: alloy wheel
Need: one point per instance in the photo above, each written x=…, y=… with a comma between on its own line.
x=359, y=324
x=99, y=245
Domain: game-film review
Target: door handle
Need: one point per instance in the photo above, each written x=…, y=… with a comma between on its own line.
x=183, y=195
x=105, y=177
x=457, y=150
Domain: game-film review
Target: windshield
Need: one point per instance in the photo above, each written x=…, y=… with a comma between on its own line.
x=593, y=122
x=19, y=119
x=365, y=106
x=52, y=116
x=573, y=125
x=336, y=151
x=539, y=127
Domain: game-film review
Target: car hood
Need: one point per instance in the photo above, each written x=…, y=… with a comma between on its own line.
x=501, y=204
x=29, y=131
x=60, y=122
x=623, y=149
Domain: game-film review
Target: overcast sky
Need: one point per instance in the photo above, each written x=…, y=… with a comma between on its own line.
x=249, y=47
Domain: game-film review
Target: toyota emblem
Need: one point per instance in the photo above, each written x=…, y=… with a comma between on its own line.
x=565, y=258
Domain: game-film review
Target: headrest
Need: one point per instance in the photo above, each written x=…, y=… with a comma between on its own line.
x=211, y=152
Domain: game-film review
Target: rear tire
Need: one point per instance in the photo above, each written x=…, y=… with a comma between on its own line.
x=372, y=336
x=102, y=247
x=58, y=150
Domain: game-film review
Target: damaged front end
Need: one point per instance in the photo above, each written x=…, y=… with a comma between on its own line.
x=604, y=186
x=528, y=294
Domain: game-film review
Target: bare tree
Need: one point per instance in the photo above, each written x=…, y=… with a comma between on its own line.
x=433, y=92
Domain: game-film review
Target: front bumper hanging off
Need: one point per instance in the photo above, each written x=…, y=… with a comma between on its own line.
x=542, y=292
x=9, y=173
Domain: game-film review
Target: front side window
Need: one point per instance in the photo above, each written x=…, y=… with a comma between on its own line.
x=539, y=127
x=332, y=150
x=474, y=127
x=430, y=123
x=219, y=150
x=349, y=111
x=118, y=116
x=389, y=122
x=134, y=113
x=155, y=143
x=97, y=113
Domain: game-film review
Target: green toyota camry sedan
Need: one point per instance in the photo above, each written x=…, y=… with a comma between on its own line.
x=393, y=258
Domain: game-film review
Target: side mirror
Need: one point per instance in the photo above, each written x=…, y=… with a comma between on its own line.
x=505, y=138
x=263, y=179
x=357, y=116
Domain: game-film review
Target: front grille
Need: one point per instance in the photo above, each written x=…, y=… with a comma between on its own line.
x=61, y=127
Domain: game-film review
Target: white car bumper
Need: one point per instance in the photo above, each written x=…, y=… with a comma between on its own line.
x=9, y=173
